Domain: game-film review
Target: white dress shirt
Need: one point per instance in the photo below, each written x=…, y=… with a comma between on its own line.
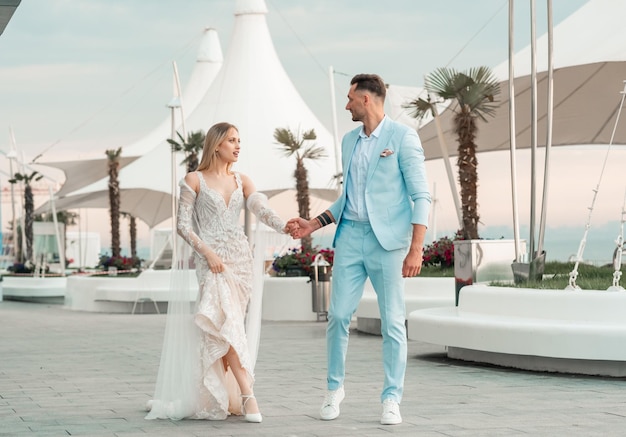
x=357, y=175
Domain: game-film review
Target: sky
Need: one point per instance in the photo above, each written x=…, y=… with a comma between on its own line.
x=77, y=78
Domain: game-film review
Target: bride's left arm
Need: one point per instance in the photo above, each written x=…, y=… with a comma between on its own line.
x=257, y=203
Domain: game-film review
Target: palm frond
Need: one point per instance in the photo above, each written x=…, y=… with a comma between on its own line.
x=314, y=152
x=474, y=89
x=285, y=138
x=421, y=108
x=443, y=82
x=309, y=135
x=113, y=154
x=176, y=146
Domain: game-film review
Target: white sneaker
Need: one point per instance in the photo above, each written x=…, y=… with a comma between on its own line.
x=330, y=406
x=391, y=413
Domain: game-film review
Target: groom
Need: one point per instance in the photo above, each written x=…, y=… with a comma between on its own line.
x=381, y=219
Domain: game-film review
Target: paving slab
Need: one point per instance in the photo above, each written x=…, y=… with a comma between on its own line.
x=65, y=373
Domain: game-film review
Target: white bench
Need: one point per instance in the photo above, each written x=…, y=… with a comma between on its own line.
x=48, y=289
x=419, y=292
x=122, y=294
x=581, y=331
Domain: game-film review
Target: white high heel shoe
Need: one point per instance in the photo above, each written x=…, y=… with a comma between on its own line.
x=250, y=417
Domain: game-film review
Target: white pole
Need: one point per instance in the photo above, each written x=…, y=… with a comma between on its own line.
x=446, y=161
x=23, y=215
x=13, y=218
x=175, y=103
x=60, y=243
x=331, y=76
x=173, y=187
x=512, y=134
x=80, y=240
x=12, y=155
x=434, y=212
x=179, y=94
x=546, y=172
x=533, y=127
x=86, y=240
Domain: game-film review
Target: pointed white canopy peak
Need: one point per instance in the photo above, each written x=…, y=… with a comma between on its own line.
x=210, y=49
x=254, y=92
x=208, y=63
x=250, y=7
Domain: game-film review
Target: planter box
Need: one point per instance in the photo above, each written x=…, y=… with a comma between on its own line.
x=483, y=261
x=288, y=299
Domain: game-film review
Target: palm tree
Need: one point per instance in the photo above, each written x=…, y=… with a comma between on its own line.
x=295, y=145
x=114, y=199
x=474, y=92
x=192, y=148
x=132, y=229
x=29, y=207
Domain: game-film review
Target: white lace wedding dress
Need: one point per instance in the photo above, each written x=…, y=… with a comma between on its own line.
x=219, y=317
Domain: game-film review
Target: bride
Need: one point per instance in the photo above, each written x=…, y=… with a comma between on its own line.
x=207, y=361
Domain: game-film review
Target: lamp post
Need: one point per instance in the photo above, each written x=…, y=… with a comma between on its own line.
x=173, y=105
x=12, y=156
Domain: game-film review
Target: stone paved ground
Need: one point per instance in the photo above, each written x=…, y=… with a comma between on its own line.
x=71, y=373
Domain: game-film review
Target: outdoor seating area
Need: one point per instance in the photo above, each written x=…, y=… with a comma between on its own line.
x=178, y=214
x=49, y=289
x=572, y=331
x=284, y=299
x=148, y=292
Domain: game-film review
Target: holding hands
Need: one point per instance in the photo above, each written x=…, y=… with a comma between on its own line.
x=291, y=228
x=299, y=227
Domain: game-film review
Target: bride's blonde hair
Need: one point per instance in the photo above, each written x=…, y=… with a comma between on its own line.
x=214, y=137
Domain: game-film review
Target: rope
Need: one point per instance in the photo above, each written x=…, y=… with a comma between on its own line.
x=617, y=262
x=581, y=248
x=476, y=34
x=298, y=38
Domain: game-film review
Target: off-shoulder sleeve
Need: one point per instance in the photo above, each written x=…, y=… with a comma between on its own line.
x=184, y=221
x=257, y=203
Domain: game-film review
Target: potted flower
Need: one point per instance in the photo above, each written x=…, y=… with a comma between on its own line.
x=118, y=263
x=439, y=253
x=297, y=261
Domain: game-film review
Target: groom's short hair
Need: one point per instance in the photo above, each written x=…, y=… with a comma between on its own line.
x=370, y=82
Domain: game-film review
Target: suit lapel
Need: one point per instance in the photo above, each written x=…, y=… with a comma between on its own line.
x=348, y=153
x=381, y=144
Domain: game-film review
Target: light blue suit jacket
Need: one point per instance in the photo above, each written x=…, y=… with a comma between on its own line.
x=396, y=191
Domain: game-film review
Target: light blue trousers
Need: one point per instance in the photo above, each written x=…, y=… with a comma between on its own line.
x=358, y=255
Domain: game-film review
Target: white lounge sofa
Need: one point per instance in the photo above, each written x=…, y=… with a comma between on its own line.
x=581, y=331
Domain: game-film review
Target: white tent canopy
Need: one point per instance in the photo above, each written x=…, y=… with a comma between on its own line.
x=252, y=91
x=589, y=70
x=586, y=100
x=150, y=206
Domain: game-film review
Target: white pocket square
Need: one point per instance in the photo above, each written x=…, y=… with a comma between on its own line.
x=386, y=153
